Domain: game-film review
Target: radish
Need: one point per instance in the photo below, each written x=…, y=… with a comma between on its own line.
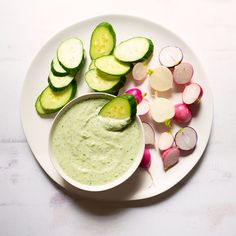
x=143, y=107
x=146, y=161
x=161, y=110
x=136, y=93
x=186, y=138
x=183, y=73
x=139, y=71
x=149, y=134
x=165, y=141
x=182, y=113
x=192, y=94
x=170, y=157
x=170, y=56
x=161, y=79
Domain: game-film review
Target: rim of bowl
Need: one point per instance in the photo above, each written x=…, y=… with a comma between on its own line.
x=94, y=188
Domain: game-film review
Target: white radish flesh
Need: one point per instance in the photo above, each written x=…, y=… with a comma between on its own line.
x=183, y=73
x=170, y=157
x=170, y=56
x=161, y=110
x=192, y=93
x=143, y=107
x=139, y=71
x=165, y=141
x=161, y=79
x=149, y=134
x=186, y=138
x=182, y=113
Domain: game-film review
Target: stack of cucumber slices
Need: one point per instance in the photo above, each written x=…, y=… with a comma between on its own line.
x=62, y=86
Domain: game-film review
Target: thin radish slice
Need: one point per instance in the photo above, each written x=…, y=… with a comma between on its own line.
x=170, y=56
x=139, y=71
x=149, y=134
x=182, y=113
x=162, y=109
x=170, y=157
x=186, y=138
x=183, y=73
x=161, y=79
x=137, y=93
x=146, y=161
x=192, y=94
x=143, y=107
x=165, y=141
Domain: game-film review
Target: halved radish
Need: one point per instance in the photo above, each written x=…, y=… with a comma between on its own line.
x=170, y=56
x=186, y=138
x=149, y=134
x=182, y=113
x=139, y=71
x=183, y=73
x=170, y=157
x=161, y=79
x=146, y=160
x=143, y=107
x=162, y=109
x=165, y=141
x=192, y=93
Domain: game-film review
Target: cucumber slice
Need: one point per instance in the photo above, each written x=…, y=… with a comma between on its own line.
x=108, y=65
x=52, y=101
x=39, y=108
x=134, y=49
x=100, y=84
x=103, y=40
x=121, y=107
x=92, y=65
x=58, y=83
x=57, y=69
x=70, y=54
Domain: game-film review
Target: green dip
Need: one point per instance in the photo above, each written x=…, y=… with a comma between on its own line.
x=88, y=151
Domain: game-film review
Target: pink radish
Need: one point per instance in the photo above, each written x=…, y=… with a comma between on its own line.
x=143, y=107
x=149, y=134
x=139, y=71
x=170, y=157
x=192, y=93
x=165, y=141
x=170, y=56
x=183, y=73
x=137, y=93
x=182, y=113
x=186, y=138
x=146, y=161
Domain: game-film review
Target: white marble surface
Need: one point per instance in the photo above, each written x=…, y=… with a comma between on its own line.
x=203, y=204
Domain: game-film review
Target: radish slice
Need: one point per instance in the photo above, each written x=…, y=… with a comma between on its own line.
x=143, y=107
x=183, y=73
x=170, y=56
x=146, y=161
x=165, y=141
x=149, y=134
x=192, y=94
x=186, y=138
x=182, y=113
x=162, y=109
x=139, y=71
x=137, y=93
x=161, y=79
x=170, y=157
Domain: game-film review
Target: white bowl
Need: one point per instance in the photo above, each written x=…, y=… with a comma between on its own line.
x=94, y=188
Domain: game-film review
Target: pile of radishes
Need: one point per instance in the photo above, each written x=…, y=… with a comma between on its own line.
x=172, y=72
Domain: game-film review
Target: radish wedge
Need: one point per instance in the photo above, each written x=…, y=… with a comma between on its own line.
x=165, y=141
x=161, y=110
x=139, y=71
x=183, y=73
x=146, y=161
x=192, y=94
x=149, y=134
x=182, y=113
x=143, y=107
x=170, y=157
x=161, y=79
x=170, y=56
x=186, y=138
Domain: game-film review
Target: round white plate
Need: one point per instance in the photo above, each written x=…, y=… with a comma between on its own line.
x=140, y=185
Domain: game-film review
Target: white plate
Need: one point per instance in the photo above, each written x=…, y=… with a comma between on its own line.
x=140, y=185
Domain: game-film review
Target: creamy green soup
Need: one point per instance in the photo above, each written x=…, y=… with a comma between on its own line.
x=90, y=151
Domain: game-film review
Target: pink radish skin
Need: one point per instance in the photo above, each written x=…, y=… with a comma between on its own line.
x=166, y=141
x=136, y=93
x=143, y=107
x=192, y=94
x=146, y=161
x=183, y=73
x=149, y=134
x=170, y=157
x=182, y=113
